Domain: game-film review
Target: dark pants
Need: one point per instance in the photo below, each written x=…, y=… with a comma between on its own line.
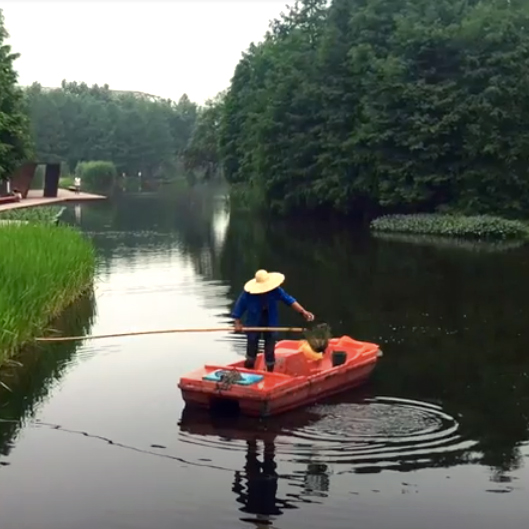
x=252, y=346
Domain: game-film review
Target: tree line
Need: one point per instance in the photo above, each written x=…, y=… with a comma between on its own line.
x=15, y=140
x=363, y=106
x=357, y=106
x=77, y=123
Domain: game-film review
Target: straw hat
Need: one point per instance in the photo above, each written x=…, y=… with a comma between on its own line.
x=264, y=282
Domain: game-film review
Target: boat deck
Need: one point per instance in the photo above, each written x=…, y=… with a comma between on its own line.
x=35, y=199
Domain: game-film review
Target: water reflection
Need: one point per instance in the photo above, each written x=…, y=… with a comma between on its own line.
x=256, y=485
x=439, y=242
x=447, y=400
x=451, y=321
x=191, y=221
x=356, y=432
x=38, y=370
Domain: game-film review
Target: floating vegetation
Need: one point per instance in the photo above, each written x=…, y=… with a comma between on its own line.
x=43, y=269
x=460, y=226
x=437, y=241
x=42, y=214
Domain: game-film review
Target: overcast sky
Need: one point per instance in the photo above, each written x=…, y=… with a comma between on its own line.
x=163, y=48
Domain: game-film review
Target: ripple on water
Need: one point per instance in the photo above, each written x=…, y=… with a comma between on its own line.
x=368, y=435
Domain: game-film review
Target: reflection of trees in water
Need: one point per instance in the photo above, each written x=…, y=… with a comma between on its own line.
x=451, y=243
x=41, y=367
x=451, y=323
x=183, y=219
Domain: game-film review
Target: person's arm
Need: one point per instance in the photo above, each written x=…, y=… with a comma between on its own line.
x=305, y=313
x=239, y=309
x=287, y=299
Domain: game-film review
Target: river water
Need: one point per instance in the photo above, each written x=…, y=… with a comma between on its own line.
x=94, y=435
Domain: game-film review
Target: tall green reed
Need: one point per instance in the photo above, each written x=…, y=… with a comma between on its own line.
x=43, y=269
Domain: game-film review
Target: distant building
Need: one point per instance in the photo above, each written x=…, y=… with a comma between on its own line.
x=135, y=93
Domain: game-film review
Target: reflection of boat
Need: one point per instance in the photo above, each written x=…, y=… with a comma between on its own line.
x=256, y=486
x=199, y=422
x=296, y=380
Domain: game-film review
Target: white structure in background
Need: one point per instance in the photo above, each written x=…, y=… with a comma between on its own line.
x=221, y=219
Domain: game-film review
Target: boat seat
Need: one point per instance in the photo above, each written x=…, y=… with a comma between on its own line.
x=288, y=362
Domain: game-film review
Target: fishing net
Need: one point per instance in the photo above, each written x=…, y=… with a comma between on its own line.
x=227, y=378
x=318, y=337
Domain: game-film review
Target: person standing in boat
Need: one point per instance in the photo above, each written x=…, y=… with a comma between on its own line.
x=259, y=300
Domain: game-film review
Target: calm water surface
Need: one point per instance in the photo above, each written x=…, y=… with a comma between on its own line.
x=95, y=436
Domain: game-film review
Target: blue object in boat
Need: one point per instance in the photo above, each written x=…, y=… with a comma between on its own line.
x=246, y=379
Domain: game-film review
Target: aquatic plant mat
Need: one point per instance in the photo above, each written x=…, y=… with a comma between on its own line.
x=453, y=243
x=43, y=269
x=42, y=214
x=465, y=227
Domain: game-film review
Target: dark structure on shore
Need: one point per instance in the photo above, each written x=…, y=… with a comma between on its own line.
x=23, y=177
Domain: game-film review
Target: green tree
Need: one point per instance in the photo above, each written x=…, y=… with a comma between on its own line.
x=138, y=133
x=182, y=122
x=202, y=151
x=15, y=139
x=363, y=106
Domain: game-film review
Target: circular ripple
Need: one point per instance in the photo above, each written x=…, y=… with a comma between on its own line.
x=375, y=434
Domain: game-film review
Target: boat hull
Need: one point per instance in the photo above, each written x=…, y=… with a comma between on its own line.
x=264, y=407
x=296, y=381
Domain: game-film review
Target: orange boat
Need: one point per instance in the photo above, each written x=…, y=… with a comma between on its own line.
x=297, y=380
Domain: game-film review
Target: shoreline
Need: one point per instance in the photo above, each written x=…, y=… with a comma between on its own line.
x=35, y=198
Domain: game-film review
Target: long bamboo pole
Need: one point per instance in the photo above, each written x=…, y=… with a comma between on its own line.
x=166, y=331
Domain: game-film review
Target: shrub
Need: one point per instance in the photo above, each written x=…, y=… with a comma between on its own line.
x=472, y=227
x=66, y=181
x=97, y=175
x=43, y=269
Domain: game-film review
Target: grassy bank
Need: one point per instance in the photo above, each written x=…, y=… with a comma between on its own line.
x=464, y=227
x=43, y=269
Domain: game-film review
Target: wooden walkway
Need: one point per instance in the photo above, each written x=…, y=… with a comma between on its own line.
x=35, y=198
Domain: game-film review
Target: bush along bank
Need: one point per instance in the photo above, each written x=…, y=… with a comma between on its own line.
x=466, y=227
x=43, y=269
x=97, y=175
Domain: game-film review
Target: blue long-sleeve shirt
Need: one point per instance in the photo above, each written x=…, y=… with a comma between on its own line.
x=253, y=305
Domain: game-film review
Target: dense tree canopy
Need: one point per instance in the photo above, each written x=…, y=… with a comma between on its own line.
x=76, y=123
x=15, y=139
x=407, y=105
x=202, y=151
